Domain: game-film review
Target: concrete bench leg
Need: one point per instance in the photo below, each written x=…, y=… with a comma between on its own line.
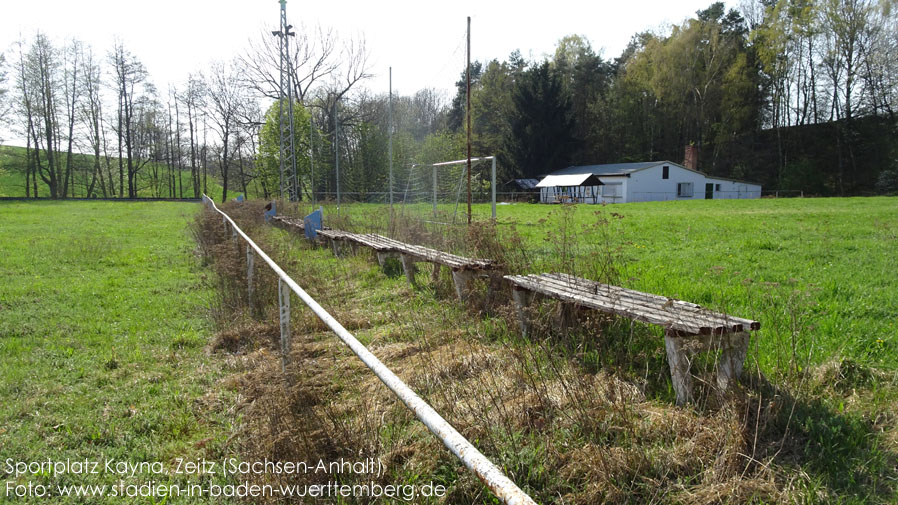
x=522, y=298
x=382, y=257
x=732, y=358
x=567, y=316
x=435, y=275
x=679, y=362
x=462, y=280
x=408, y=266
x=335, y=247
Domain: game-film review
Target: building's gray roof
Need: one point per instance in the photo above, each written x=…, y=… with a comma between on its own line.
x=526, y=183
x=611, y=169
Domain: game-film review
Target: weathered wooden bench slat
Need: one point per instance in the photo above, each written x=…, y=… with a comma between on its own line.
x=621, y=308
x=650, y=313
x=603, y=294
x=454, y=261
x=670, y=304
x=634, y=309
x=288, y=221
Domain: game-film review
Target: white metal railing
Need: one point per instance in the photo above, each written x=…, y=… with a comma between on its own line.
x=483, y=468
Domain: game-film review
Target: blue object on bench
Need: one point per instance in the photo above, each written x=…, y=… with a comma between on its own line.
x=312, y=223
x=270, y=211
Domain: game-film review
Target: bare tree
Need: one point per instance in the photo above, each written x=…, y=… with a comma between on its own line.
x=71, y=87
x=225, y=97
x=92, y=117
x=39, y=83
x=312, y=57
x=130, y=75
x=193, y=100
x=4, y=94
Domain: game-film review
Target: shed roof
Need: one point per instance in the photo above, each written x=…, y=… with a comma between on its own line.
x=526, y=183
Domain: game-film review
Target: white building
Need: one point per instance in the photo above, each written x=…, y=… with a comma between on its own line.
x=639, y=182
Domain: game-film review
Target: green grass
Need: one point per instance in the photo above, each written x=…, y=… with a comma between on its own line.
x=104, y=323
x=102, y=331
x=12, y=178
x=818, y=273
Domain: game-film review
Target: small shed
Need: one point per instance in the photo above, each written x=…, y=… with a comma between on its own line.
x=572, y=188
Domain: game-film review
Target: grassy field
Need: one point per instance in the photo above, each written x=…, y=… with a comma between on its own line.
x=116, y=343
x=586, y=416
x=103, y=324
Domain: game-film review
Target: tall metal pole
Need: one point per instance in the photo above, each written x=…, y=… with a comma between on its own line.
x=337, y=150
x=285, y=101
x=391, y=144
x=468, y=73
x=312, y=156
x=493, y=186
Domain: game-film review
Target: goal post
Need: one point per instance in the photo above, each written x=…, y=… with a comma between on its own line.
x=443, y=183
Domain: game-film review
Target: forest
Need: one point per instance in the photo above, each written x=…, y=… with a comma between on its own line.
x=793, y=94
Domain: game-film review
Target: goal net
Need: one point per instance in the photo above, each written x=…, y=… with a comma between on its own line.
x=441, y=189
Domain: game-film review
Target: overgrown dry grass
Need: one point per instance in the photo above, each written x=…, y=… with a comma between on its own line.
x=577, y=415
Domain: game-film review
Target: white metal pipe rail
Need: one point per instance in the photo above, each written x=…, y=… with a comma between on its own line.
x=486, y=471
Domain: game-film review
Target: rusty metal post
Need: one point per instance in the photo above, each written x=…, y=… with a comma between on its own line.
x=284, y=306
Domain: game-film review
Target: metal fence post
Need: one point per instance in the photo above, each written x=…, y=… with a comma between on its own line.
x=284, y=304
x=250, y=263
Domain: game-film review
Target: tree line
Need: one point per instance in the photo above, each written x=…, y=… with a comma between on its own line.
x=795, y=94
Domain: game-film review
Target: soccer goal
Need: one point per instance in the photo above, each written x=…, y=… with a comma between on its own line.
x=444, y=185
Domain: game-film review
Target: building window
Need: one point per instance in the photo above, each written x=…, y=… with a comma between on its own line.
x=612, y=189
x=717, y=187
x=684, y=189
x=665, y=172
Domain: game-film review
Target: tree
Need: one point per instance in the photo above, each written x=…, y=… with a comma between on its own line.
x=587, y=80
x=4, y=92
x=541, y=137
x=459, y=102
x=39, y=85
x=314, y=57
x=225, y=96
x=268, y=169
x=92, y=118
x=193, y=99
x=130, y=81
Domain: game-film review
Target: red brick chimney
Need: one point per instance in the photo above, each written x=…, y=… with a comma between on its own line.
x=690, y=157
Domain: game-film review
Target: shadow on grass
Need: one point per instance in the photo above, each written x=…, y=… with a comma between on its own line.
x=841, y=453
x=820, y=451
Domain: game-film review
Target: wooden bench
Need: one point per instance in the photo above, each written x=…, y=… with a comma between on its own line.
x=688, y=328
x=463, y=269
x=288, y=223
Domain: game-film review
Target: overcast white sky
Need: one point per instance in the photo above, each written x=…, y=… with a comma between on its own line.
x=423, y=41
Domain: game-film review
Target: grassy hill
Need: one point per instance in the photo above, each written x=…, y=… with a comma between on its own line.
x=12, y=178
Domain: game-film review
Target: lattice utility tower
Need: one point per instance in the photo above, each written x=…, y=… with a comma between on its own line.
x=285, y=110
